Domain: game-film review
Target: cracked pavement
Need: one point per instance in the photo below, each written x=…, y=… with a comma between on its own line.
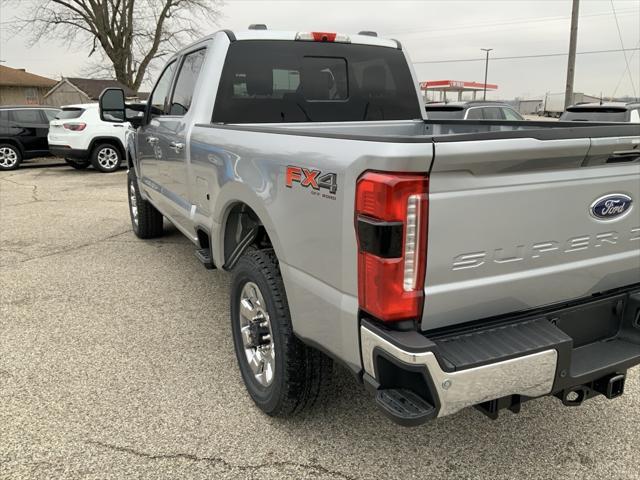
x=116, y=361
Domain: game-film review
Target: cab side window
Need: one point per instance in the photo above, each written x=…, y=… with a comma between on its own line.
x=510, y=114
x=26, y=117
x=635, y=116
x=493, y=113
x=474, y=114
x=160, y=98
x=186, y=83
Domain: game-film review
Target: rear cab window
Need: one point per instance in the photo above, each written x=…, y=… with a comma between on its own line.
x=271, y=81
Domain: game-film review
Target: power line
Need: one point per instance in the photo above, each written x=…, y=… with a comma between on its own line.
x=505, y=23
x=543, y=55
x=623, y=51
x=625, y=71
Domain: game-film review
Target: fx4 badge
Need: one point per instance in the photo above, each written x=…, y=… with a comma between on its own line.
x=314, y=179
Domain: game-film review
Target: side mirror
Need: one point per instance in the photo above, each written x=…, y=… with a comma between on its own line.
x=112, y=107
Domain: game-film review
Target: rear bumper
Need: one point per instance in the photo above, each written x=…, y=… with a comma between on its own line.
x=68, y=152
x=575, y=352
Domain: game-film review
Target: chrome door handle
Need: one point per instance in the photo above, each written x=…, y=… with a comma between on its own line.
x=152, y=140
x=176, y=146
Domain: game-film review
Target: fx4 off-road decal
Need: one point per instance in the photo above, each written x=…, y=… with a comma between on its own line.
x=313, y=179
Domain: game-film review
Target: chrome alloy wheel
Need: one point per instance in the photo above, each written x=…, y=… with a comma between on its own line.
x=257, y=337
x=8, y=157
x=108, y=158
x=133, y=205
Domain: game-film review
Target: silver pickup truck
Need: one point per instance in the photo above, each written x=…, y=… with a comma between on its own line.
x=445, y=263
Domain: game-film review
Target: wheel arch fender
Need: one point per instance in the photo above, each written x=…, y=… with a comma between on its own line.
x=15, y=142
x=240, y=208
x=111, y=140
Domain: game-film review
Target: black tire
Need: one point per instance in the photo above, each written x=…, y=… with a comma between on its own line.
x=301, y=372
x=149, y=220
x=106, y=158
x=77, y=165
x=10, y=156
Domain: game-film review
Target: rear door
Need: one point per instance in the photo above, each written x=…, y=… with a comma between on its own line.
x=513, y=224
x=31, y=126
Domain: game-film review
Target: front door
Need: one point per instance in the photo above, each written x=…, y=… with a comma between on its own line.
x=153, y=144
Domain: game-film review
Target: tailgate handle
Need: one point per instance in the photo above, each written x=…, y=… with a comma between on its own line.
x=624, y=156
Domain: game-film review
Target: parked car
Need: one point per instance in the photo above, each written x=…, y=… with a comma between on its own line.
x=603, y=112
x=78, y=135
x=473, y=110
x=312, y=175
x=23, y=133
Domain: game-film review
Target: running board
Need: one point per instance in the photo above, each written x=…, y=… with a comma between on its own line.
x=204, y=256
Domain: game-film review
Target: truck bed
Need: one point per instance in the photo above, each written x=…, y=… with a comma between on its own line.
x=427, y=131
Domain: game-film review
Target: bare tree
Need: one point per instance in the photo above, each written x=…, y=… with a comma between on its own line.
x=129, y=33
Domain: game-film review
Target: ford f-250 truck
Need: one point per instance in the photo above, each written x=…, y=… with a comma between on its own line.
x=447, y=264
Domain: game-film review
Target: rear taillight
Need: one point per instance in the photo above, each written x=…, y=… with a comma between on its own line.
x=323, y=37
x=75, y=127
x=391, y=226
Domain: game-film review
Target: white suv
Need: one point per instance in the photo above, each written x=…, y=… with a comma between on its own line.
x=80, y=137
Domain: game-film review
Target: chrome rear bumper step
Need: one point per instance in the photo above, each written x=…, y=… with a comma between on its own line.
x=574, y=353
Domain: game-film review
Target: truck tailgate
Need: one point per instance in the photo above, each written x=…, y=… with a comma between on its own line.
x=512, y=227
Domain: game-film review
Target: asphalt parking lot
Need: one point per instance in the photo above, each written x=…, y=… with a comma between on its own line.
x=116, y=361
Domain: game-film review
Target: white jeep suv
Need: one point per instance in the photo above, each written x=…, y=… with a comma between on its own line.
x=80, y=137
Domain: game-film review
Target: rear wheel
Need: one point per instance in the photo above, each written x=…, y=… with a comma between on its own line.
x=10, y=157
x=106, y=158
x=146, y=220
x=76, y=164
x=283, y=376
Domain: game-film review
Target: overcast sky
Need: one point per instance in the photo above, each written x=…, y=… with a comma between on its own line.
x=433, y=31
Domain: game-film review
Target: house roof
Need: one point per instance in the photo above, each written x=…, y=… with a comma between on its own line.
x=93, y=87
x=15, y=77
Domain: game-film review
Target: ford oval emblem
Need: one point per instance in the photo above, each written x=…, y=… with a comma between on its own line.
x=611, y=207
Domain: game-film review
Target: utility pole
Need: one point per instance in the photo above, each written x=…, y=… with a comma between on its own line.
x=571, y=66
x=486, y=72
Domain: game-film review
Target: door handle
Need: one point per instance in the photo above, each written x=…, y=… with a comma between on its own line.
x=176, y=146
x=152, y=140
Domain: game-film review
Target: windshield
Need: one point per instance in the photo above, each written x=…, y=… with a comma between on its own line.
x=265, y=81
x=69, y=113
x=595, y=115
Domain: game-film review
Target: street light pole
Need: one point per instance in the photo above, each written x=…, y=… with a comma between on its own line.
x=486, y=72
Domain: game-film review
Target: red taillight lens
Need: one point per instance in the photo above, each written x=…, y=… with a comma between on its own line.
x=75, y=127
x=323, y=36
x=391, y=222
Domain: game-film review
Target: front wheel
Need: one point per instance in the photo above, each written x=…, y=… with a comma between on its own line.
x=146, y=220
x=10, y=157
x=283, y=376
x=106, y=158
